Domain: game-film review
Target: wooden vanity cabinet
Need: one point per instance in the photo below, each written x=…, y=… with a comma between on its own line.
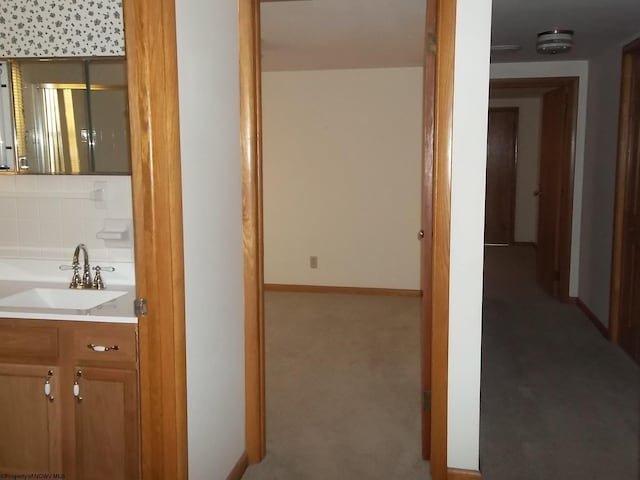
x=85, y=424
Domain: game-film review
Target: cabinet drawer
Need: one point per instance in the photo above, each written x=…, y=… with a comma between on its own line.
x=105, y=343
x=21, y=341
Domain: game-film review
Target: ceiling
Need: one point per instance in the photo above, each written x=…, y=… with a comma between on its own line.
x=331, y=34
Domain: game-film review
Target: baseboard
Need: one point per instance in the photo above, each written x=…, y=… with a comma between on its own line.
x=283, y=287
x=239, y=468
x=594, y=319
x=459, y=474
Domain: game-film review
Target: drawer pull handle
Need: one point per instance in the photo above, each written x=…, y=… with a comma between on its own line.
x=76, y=386
x=102, y=348
x=47, y=386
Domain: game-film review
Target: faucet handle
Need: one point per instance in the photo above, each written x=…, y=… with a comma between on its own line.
x=99, y=268
x=76, y=281
x=98, y=283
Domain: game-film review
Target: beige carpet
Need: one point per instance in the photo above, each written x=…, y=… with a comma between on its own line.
x=343, y=388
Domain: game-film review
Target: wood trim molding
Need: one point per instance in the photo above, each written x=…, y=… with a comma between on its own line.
x=239, y=468
x=443, y=145
x=459, y=474
x=620, y=192
x=284, y=287
x=593, y=318
x=150, y=36
x=426, y=247
x=567, y=208
x=535, y=82
x=252, y=233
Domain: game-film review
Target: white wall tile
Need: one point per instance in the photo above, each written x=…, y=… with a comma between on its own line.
x=9, y=231
x=28, y=208
x=29, y=233
x=50, y=226
x=8, y=208
x=50, y=208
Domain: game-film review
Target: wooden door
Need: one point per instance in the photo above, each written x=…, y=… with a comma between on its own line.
x=30, y=426
x=501, y=176
x=625, y=318
x=425, y=233
x=106, y=424
x=554, y=207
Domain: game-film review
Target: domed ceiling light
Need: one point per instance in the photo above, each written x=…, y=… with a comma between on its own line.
x=556, y=41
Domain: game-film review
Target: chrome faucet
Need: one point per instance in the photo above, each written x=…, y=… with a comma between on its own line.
x=85, y=281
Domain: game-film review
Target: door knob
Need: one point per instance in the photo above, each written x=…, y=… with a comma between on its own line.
x=420, y=234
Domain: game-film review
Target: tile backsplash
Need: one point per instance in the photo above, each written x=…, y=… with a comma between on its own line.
x=46, y=216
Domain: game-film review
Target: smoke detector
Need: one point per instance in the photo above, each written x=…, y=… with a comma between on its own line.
x=552, y=42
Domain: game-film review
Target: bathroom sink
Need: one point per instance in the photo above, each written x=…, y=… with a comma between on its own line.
x=60, y=298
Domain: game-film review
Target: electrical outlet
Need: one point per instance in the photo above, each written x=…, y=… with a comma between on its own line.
x=313, y=261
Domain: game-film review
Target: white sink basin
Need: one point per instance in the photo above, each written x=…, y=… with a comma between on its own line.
x=60, y=298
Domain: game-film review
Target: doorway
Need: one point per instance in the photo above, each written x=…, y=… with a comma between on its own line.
x=551, y=200
x=252, y=180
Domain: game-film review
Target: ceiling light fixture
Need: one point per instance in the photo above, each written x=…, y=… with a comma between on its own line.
x=554, y=41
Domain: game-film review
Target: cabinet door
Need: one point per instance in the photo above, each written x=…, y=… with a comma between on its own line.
x=30, y=427
x=106, y=424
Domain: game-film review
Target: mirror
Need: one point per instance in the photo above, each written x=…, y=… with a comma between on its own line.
x=70, y=116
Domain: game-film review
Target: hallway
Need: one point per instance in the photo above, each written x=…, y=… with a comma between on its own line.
x=559, y=402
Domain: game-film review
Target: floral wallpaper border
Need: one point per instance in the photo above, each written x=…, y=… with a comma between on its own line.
x=61, y=28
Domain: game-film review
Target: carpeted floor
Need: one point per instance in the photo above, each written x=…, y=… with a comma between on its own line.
x=343, y=388
x=559, y=402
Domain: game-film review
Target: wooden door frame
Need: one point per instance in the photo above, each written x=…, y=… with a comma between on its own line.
x=621, y=187
x=571, y=132
x=253, y=240
x=514, y=180
x=426, y=247
x=442, y=161
x=252, y=229
x=150, y=38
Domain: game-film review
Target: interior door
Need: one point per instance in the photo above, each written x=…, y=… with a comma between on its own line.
x=501, y=176
x=427, y=217
x=629, y=286
x=554, y=218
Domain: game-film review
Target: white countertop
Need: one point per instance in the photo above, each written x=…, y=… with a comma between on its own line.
x=119, y=310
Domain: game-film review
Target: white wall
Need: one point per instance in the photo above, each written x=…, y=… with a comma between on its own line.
x=577, y=68
x=342, y=177
x=599, y=182
x=471, y=84
x=207, y=40
x=527, y=164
